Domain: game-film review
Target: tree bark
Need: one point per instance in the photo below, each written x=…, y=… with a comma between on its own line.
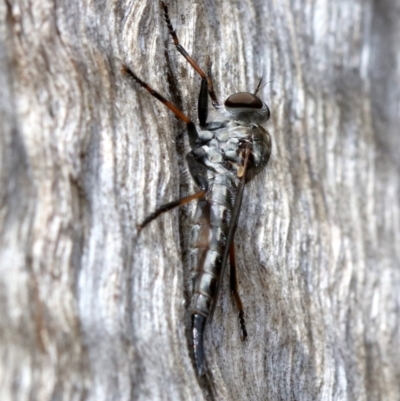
x=92, y=311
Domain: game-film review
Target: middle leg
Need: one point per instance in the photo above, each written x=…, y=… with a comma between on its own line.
x=169, y=206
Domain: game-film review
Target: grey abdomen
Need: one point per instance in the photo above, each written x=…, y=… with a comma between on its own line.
x=209, y=240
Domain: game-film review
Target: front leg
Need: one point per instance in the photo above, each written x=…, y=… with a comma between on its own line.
x=191, y=128
x=206, y=86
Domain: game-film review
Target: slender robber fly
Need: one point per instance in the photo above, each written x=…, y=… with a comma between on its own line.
x=225, y=155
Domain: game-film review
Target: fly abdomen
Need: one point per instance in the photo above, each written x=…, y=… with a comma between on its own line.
x=204, y=282
x=198, y=323
x=209, y=241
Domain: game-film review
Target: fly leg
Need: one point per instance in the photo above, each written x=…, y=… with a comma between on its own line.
x=210, y=84
x=169, y=206
x=206, y=82
x=234, y=289
x=191, y=128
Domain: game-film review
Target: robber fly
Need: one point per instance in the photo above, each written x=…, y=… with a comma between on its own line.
x=224, y=156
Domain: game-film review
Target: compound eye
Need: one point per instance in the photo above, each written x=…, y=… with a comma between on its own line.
x=243, y=100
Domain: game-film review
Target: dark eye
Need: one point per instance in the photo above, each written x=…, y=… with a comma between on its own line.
x=243, y=100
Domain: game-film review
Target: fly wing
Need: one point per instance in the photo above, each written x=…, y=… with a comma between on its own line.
x=233, y=224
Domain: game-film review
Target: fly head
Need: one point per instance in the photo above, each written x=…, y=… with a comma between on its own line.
x=247, y=108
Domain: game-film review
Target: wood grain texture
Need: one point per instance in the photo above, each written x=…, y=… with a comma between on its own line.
x=91, y=311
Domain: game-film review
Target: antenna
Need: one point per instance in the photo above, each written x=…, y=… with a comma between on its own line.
x=259, y=87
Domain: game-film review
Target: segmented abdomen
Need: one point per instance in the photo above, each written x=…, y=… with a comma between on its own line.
x=209, y=234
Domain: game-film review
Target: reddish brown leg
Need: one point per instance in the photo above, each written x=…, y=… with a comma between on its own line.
x=187, y=57
x=169, y=206
x=192, y=132
x=235, y=293
x=130, y=74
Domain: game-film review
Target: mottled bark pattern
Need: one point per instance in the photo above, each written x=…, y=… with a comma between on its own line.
x=91, y=311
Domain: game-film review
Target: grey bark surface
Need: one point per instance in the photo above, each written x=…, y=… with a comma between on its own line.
x=91, y=311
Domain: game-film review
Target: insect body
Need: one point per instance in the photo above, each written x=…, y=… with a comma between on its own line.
x=224, y=156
